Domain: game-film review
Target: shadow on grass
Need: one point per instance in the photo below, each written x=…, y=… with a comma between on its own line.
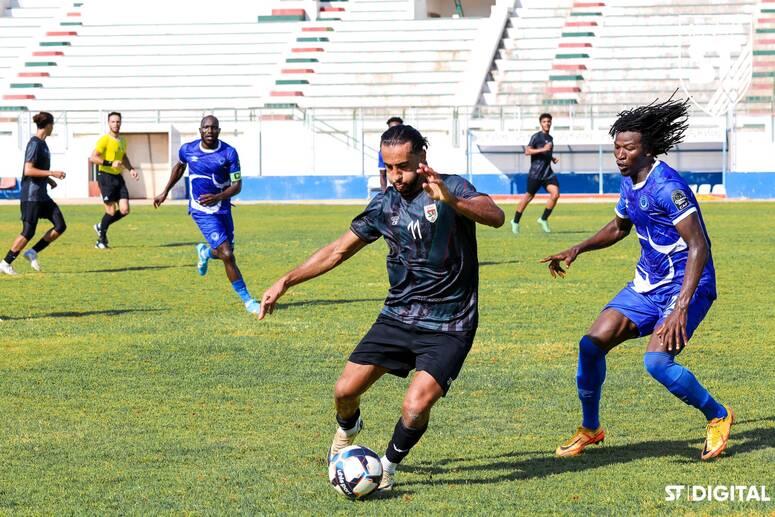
x=133, y=268
x=508, y=467
x=81, y=314
x=498, y=263
x=177, y=244
x=328, y=302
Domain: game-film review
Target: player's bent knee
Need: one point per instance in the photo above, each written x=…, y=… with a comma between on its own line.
x=345, y=390
x=60, y=228
x=658, y=365
x=28, y=231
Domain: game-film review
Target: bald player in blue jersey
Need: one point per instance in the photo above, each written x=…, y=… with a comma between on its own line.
x=430, y=315
x=674, y=284
x=214, y=178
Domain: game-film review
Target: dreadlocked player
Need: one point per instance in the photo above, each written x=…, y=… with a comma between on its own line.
x=674, y=284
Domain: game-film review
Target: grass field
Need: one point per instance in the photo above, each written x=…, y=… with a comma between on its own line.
x=128, y=384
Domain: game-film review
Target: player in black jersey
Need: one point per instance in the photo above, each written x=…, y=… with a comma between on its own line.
x=35, y=201
x=430, y=315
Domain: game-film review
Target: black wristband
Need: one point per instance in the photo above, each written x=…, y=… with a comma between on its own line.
x=106, y=163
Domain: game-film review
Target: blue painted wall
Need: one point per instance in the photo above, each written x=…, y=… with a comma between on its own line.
x=759, y=185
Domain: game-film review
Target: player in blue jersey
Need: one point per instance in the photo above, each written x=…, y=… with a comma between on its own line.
x=430, y=315
x=214, y=178
x=674, y=284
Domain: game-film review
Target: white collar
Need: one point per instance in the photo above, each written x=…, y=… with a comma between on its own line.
x=637, y=186
x=206, y=150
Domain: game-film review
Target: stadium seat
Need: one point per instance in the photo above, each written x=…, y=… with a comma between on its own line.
x=703, y=189
x=719, y=190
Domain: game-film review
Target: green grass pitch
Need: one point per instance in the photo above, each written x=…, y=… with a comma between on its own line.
x=130, y=385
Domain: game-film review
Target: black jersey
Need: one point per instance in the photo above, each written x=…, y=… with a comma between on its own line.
x=432, y=261
x=540, y=164
x=36, y=189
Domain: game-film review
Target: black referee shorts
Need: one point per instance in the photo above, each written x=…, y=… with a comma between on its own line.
x=112, y=187
x=401, y=348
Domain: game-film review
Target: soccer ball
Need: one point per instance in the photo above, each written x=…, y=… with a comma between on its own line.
x=355, y=472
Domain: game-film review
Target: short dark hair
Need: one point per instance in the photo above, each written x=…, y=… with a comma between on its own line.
x=544, y=115
x=394, y=119
x=399, y=135
x=661, y=125
x=114, y=113
x=201, y=122
x=43, y=119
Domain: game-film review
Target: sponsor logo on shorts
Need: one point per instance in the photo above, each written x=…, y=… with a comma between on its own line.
x=214, y=236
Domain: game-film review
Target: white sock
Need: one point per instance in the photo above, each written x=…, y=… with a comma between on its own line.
x=354, y=430
x=388, y=465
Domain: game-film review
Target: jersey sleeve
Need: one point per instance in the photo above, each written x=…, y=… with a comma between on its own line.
x=235, y=173
x=461, y=188
x=102, y=146
x=534, y=142
x=182, y=158
x=677, y=200
x=368, y=223
x=31, y=153
x=621, y=207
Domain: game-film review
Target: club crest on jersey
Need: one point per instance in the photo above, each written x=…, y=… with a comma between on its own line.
x=431, y=214
x=194, y=158
x=393, y=220
x=679, y=199
x=643, y=202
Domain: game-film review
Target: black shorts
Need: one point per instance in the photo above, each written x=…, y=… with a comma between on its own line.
x=534, y=184
x=33, y=211
x=401, y=348
x=112, y=187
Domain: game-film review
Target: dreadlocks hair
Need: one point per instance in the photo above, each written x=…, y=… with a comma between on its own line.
x=661, y=125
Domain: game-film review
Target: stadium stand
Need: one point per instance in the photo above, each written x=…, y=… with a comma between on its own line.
x=606, y=54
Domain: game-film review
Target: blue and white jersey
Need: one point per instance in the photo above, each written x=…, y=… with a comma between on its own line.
x=655, y=206
x=210, y=171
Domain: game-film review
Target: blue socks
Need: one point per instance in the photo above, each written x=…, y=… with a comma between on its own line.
x=589, y=380
x=242, y=290
x=681, y=382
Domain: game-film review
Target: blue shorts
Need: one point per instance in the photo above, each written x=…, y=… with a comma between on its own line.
x=216, y=228
x=649, y=310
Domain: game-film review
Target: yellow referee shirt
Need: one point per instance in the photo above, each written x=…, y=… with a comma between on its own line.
x=111, y=149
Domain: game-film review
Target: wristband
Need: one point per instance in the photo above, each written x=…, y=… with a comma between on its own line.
x=106, y=163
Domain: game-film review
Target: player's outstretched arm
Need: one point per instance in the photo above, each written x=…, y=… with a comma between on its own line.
x=673, y=330
x=177, y=172
x=608, y=235
x=322, y=261
x=481, y=209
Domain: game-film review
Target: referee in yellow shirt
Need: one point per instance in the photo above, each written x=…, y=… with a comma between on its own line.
x=111, y=158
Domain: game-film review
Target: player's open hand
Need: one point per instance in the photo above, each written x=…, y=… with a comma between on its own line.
x=672, y=333
x=270, y=297
x=433, y=185
x=158, y=200
x=555, y=268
